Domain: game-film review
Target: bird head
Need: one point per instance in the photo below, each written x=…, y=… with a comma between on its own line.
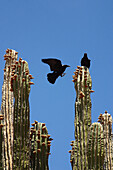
x=66, y=66
x=85, y=56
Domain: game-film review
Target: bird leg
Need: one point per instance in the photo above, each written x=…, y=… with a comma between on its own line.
x=63, y=74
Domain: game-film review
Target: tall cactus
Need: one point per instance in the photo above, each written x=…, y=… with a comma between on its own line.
x=92, y=147
x=7, y=110
x=20, y=84
x=15, y=138
x=82, y=121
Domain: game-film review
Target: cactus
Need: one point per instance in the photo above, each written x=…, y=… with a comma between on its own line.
x=106, y=121
x=15, y=136
x=7, y=111
x=40, y=146
x=92, y=146
x=112, y=147
x=82, y=121
x=73, y=152
x=20, y=84
x=95, y=150
x=22, y=147
x=1, y=139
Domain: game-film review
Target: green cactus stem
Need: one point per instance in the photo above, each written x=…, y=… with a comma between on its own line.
x=40, y=146
x=83, y=85
x=95, y=150
x=73, y=153
x=20, y=84
x=92, y=148
x=112, y=148
x=1, y=139
x=7, y=111
x=20, y=148
x=15, y=110
x=106, y=121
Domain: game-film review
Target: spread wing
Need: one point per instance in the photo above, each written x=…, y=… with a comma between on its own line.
x=54, y=64
x=52, y=77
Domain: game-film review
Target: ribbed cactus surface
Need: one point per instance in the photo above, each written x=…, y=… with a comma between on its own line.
x=92, y=148
x=106, y=121
x=20, y=85
x=25, y=148
x=1, y=139
x=96, y=148
x=83, y=85
x=17, y=143
x=7, y=111
x=40, y=146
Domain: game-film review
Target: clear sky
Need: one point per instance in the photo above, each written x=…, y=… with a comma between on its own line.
x=63, y=29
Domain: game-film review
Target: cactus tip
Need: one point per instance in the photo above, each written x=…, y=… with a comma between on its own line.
x=16, y=52
x=1, y=125
x=43, y=143
x=38, y=150
x=34, y=152
x=92, y=91
x=31, y=83
x=78, y=67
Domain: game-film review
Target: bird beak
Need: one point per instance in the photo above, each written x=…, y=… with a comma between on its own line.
x=68, y=66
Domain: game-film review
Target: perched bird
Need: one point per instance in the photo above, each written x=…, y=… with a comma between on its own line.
x=85, y=61
x=57, y=68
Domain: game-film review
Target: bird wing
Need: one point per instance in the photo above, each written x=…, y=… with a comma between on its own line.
x=54, y=64
x=52, y=77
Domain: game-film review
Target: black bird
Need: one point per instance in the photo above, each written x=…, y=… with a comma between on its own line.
x=57, y=68
x=85, y=61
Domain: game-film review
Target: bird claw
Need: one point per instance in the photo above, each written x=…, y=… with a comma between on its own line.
x=63, y=74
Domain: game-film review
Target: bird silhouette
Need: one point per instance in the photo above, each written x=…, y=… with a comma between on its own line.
x=85, y=61
x=57, y=68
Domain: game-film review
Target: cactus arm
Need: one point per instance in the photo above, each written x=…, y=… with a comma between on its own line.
x=40, y=146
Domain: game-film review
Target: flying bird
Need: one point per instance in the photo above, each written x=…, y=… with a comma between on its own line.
x=85, y=61
x=57, y=68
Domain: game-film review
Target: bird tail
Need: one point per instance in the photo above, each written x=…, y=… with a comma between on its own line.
x=52, y=77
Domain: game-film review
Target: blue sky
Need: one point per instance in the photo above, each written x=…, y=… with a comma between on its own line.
x=63, y=29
